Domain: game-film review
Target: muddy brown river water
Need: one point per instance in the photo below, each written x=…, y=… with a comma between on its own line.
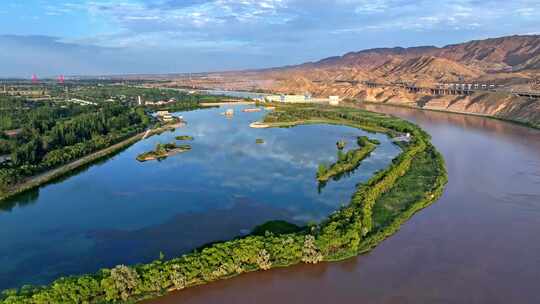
x=480, y=243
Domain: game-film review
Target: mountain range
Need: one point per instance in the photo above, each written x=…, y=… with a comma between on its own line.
x=509, y=64
x=506, y=60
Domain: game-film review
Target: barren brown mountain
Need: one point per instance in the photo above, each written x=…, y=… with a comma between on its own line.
x=504, y=66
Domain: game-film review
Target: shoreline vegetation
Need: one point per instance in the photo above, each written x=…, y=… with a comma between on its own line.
x=162, y=151
x=51, y=175
x=414, y=180
x=347, y=162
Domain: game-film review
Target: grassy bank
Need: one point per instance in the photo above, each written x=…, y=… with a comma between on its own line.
x=527, y=124
x=415, y=179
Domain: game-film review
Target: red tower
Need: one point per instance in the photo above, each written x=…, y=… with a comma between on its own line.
x=35, y=79
x=61, y=79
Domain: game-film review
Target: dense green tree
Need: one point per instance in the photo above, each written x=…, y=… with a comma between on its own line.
x=121, y=283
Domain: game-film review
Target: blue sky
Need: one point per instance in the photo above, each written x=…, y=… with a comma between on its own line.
x=167, y=36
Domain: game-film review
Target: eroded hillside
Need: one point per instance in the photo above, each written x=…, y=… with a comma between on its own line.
x=504, y=65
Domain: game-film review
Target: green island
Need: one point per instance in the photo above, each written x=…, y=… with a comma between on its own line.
x=184, y=137
x=163, y=151
x=347, y=162
x=414, y=180
x=259, y=141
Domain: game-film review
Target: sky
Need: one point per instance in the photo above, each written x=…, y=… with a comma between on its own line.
x=101, y=37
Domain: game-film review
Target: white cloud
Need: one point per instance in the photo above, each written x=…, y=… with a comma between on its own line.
x=371, y=6
x=271, y=32
x=527, y=11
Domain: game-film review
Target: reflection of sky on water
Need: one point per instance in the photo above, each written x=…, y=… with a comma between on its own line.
x=226, y=184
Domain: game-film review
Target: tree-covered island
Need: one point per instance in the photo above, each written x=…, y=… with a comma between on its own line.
x=348, y=161
x=184, y=137
x=163, y=151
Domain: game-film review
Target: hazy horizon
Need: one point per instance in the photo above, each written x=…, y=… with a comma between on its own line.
x=104, y=37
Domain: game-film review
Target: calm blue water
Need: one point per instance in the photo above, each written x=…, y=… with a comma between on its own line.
x=123, y=211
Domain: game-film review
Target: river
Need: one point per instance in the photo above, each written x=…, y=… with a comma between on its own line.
x=479, y=243
x=120, y=211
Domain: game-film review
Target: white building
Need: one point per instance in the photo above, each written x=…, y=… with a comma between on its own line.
x=82, y=102
x=334, y=100
x=165, y=115
x=287, y=98
x=273, y=98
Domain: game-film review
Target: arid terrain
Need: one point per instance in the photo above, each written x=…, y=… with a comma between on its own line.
x=504, y=66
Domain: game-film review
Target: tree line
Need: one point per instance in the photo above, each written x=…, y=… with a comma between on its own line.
x=53, y=134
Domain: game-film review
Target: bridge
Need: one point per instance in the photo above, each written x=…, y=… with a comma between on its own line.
x=535, y=95
x=462, y=89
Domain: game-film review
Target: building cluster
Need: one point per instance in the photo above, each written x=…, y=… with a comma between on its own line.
x=403, y=138
x=287, y=98
x=332, y=100
x=25, y=91
x=155, y=103
x=81, y=102
x=164, y=116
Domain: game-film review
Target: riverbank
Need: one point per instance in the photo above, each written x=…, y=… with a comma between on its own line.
x=338, y=237
x=51, y=175
x=529, y=124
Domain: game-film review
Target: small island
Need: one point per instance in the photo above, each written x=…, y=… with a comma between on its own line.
x=347, y=161
x=163, y=151
x=184, y=137
x=259, y=141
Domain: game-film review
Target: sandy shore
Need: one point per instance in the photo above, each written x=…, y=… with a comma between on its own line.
x=258, y=125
